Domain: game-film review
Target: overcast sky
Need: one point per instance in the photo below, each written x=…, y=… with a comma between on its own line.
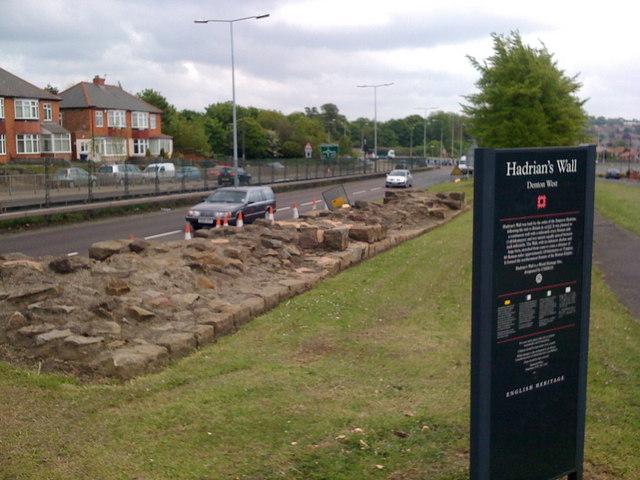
x=312, y=52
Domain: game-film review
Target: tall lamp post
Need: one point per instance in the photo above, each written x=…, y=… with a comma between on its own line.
x=233, y=86
x=375, y=113
x=424, y=138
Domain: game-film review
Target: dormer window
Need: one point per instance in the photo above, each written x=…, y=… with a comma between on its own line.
x=26, y=109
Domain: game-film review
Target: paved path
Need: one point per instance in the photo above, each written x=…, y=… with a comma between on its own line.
x=617, y=252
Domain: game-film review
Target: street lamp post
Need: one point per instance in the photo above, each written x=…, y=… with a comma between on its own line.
x=233, y=86
x=375, y=113
x=424, y=139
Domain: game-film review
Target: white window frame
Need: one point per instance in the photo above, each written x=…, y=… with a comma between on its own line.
x=116, y=119
x=140, y=147
x=153, y=121
x=156, y=145
x=3, y=144
x=26, y=109
x=1, y=107
x=111, y=146
x=99, y=118
x=140, y=120
x=27, y=144
x=47, y=110
x=56, y=143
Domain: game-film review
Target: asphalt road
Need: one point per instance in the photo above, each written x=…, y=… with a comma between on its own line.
x=169, y=224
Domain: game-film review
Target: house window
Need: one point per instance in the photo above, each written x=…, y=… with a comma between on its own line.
x=99, y=119
x=27, y=109
x=153, y=121
x=160, y=145
x=140, y=120
x=111, y=146
x=3, y=145
x=116, y=119
x=1, y=107
x=140, y=146
x=48, y=112
x=28, y=143
x=56, y=143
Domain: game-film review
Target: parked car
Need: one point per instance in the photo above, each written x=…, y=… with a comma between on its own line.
x=253, y=202
x=399, y=178
x=613, y=173
x=73, y=177
x=227, y=174
x=213, y=172
x=117, y=173
x=161, y=171
x=188, y=173
x=275, y=165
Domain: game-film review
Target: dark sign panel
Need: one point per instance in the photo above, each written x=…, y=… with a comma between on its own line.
x=533, y=220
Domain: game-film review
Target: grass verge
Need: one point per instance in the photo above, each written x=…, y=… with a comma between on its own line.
x=619, y=203
x=365, y=377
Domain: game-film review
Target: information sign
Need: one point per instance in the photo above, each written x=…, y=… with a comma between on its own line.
x=533, y=227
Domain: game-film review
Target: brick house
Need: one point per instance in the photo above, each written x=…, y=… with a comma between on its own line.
x=29, y=122
x=108, y=124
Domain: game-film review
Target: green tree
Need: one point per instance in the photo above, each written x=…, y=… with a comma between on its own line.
x=524, y=100
x=157, y=100
x=189, y=134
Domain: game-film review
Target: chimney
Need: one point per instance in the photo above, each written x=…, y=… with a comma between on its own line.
x=98, y=81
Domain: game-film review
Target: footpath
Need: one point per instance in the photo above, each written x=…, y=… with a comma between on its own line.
x=617, y=252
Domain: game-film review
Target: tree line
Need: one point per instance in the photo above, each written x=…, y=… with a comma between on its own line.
x=523, y=99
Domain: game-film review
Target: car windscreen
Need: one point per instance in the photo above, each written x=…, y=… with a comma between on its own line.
x=226, y=196
x=398, y=173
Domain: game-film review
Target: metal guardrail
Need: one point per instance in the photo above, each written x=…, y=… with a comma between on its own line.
x=23, y=191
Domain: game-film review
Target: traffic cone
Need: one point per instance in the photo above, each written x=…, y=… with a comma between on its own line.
x=296, y=214
x=314, y=204
x=239, y=220
x=270, y=214
x=187, y=231
x=217, y=222
x=226, y=221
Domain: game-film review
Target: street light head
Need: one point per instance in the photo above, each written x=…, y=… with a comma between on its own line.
x=262, y=16
x=201, y=21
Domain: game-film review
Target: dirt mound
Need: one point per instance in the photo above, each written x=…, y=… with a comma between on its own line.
x=135, y=305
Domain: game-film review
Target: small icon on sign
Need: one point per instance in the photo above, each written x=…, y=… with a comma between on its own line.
x=539, y=278
x=542, y=202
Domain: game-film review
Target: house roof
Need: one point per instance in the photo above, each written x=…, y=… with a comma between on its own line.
x=13, y=86
x=95, y=95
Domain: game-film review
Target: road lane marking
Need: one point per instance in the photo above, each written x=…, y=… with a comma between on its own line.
x=282, y=209
x=359, y=192
x=151, y=237
x=376, y=188
x=306, y=204
x=72, y=254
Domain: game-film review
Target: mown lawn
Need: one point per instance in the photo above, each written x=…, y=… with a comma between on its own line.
x=365, y=377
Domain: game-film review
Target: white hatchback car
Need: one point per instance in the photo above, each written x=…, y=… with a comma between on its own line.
x=399, y=178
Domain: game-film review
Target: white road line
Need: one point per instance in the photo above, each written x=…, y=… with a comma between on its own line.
x=376, y=188
x=282, y=209
x=151, y=237
x=72, y=254
x=359, y=192
x=306, y=204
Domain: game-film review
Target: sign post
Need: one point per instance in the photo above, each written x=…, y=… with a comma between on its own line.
x=533, y=228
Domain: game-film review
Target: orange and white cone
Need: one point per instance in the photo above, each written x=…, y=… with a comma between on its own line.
x=313, y=203
x=239, y=220
x=217, y=222
x=225, y=223
x=187, y=231
x=296, y=214
x=270, y=216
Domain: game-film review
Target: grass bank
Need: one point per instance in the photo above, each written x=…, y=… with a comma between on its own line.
x=619, y=203
x=365, y=377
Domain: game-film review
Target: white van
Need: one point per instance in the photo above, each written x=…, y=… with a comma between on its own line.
x=162, y=171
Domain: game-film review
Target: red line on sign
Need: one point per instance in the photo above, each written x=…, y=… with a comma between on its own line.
x=539, y=216
x=537, y=289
